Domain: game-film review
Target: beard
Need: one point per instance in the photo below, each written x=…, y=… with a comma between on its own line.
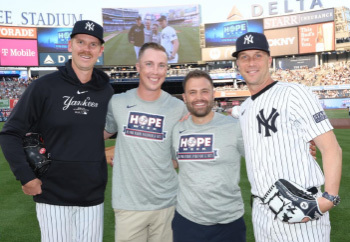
x=200, y=112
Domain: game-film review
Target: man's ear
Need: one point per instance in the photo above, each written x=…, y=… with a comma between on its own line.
x=184, y=97
x=70, y=45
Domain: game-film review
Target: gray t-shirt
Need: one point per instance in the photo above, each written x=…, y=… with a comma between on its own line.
x=143, y=174
x=209, y=158
x=148, y=34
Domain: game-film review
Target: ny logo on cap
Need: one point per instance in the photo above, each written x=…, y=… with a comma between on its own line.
x=248, y=39
x=89, y=26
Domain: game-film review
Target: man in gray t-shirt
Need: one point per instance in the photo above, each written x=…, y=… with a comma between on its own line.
x=208, y=148
x=148, y=29
x=144, y=183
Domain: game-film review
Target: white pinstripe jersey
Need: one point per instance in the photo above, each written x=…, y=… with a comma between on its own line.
x=277, y=124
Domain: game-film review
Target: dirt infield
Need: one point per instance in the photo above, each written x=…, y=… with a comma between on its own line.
x=341, y=123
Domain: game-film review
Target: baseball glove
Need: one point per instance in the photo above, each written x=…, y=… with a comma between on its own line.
x=291, y=203
x=36, y=153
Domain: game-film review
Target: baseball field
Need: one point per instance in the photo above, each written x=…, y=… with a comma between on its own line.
x=18, y=221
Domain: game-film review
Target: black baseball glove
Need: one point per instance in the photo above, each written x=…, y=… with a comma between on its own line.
x=36, y=153
x=291, y=203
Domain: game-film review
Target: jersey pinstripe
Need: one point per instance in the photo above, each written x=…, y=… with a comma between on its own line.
x=70, y=223
x=268, y=229
x=277, y=124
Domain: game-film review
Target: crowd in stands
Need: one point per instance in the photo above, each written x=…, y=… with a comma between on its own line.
x=337, y=73
x=344, y=93
x=13, y=87
x=131, y=72
x=233, y=87
x=327, y=74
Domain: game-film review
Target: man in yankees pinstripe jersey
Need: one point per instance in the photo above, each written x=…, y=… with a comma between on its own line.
x=277, y=122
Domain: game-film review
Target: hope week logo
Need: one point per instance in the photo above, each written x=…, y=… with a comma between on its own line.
x=196, y=147
x=145, y=126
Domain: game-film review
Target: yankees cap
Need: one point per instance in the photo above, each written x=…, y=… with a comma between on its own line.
x=251, y=41
x=88, y=27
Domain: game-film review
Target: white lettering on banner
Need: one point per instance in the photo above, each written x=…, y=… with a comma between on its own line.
x=16, y=52
x=281, y=21
x=62, y=58
x=317, y=16
x=281, y=41
x=10, y=32
x=22, y=52
x=258, y=10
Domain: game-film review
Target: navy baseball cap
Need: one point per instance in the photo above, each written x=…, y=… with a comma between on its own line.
x=88, y=27
x=251, y=41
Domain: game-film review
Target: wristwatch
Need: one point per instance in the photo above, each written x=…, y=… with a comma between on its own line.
x=334, y=199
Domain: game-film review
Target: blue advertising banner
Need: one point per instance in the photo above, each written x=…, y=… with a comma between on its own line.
x=226, y=33
x=59, y=59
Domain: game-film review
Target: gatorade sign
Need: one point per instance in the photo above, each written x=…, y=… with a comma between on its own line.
x=17, y=32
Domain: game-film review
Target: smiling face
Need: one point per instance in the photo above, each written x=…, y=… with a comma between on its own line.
x=254, y=67
x=199, y=96
x=155, y=28
x=163, y=23
x=152, y=67
x=148, y=23
x=85, y=51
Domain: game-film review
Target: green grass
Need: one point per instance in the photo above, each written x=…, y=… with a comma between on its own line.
x=18, y=221
x=337, y=113
x=118, y=50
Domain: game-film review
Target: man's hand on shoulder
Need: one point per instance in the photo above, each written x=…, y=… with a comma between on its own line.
x=185, y=117
x=32, y=187
x=234, y=111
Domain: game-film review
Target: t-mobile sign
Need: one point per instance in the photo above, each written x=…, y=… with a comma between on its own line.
x=16, y=52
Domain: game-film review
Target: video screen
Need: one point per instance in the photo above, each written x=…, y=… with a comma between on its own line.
x=53, y=40
x=176, y=28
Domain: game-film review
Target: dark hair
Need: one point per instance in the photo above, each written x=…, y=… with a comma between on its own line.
x=151, y=45
x=197, y=74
